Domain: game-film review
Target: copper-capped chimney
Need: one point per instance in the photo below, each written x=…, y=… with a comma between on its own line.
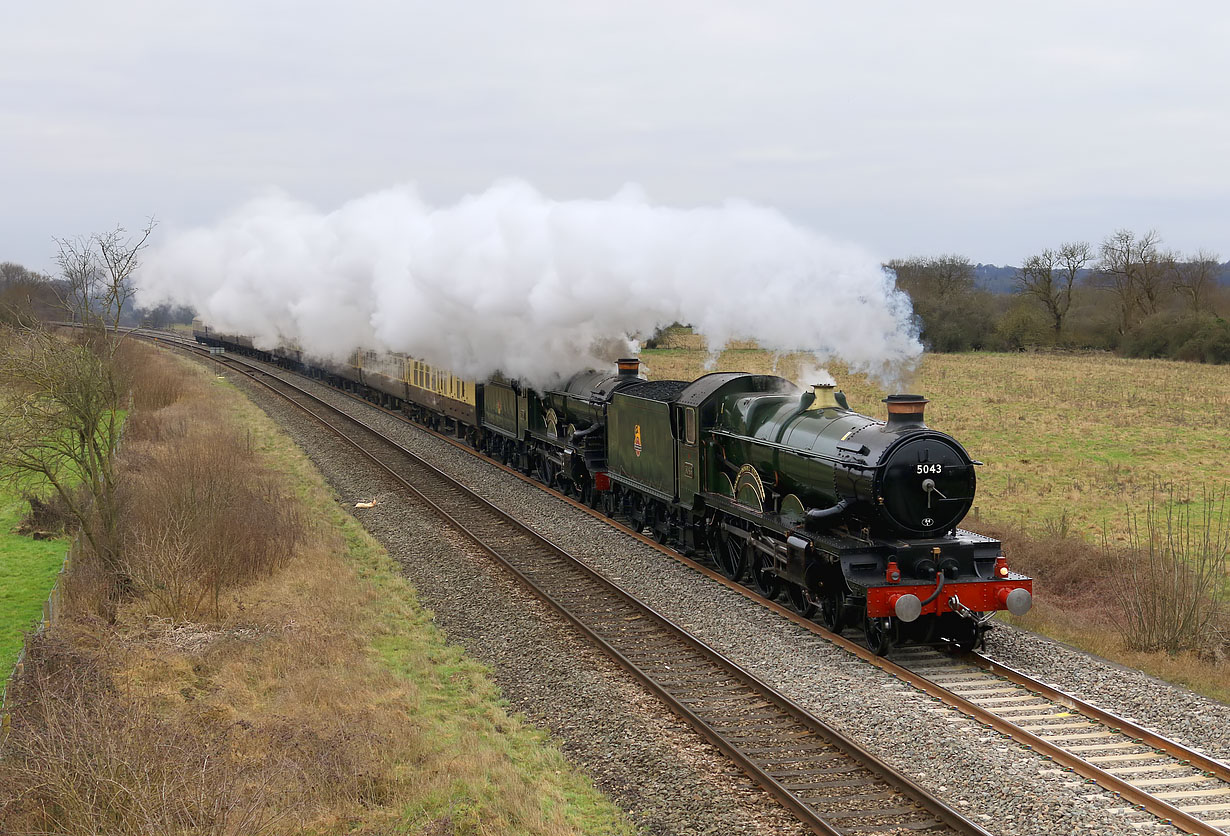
x=905, y=412
x=824, y=396
x=628, y=366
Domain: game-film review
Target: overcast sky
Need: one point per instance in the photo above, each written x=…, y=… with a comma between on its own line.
x=905, y=127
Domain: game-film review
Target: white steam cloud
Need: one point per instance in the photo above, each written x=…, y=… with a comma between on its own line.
x=510, y=280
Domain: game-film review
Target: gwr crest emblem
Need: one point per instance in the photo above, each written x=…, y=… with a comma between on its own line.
x=636, y=440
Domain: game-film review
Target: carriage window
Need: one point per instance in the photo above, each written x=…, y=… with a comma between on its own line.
x=689, y=425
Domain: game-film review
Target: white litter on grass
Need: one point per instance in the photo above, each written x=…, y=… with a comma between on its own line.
x=371, y=504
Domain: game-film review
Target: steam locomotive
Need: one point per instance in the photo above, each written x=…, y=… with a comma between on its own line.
x=852, y=519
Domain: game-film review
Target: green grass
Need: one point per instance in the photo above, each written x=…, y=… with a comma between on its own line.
x=28, y=570
x=28, y=567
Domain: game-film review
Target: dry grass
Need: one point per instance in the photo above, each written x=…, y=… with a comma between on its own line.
x=87, y=759
x=157, y=379
x=310, y=694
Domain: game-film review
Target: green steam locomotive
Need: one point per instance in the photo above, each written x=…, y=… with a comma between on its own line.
x=853, y=520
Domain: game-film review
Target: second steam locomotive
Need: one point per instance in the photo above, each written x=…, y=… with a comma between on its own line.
x=854, y=520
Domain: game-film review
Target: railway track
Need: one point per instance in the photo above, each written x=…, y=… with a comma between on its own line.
x=1173, y=782
x=829, y=782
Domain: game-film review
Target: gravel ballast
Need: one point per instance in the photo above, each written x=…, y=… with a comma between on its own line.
x=660, y=770
x=649, y=762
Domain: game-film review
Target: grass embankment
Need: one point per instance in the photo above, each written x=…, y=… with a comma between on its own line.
x=267, y=689
x=1074, y=447
x=28, y=570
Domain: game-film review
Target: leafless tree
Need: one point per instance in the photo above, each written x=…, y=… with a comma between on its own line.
x=941, y=275
x=1195, y=278
x=1134, y=268
x=97, y=272
x=62, y=396
x=1050, y=275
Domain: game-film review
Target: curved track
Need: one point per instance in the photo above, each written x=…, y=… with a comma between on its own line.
x=828, y=781
x=1169, y=780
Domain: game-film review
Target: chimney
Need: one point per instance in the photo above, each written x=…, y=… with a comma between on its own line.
x=824, y=397
x=628, y=366
x=905, y=412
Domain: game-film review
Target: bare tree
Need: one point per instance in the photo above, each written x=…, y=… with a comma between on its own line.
x=1050, y=275
x=1196, y=278
x=941, y=275
x=98, y=273
x=61, y=397
x=1135, y=270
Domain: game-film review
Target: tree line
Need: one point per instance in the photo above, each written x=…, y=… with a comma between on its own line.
x=30, y=296
x=1127, y=294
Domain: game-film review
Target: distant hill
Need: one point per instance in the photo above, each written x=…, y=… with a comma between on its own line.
x=1003, y=279
x=995, y=279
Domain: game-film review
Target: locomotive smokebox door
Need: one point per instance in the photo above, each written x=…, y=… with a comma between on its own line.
x=927, y=484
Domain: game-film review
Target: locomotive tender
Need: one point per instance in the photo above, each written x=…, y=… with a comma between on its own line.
x=853, y=519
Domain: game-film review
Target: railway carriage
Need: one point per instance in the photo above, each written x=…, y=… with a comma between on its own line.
x=441, y=397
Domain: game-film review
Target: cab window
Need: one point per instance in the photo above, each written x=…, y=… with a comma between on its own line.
x=689, y=425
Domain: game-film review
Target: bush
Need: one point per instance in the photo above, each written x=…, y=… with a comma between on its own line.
x=157, y=380
x=962, y=322
x=1209, y=344
x=1072, y=575
x=1172, y=587
x=49, y=517
x=1202, y=338
x=199, y=514
x=1023, y=326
